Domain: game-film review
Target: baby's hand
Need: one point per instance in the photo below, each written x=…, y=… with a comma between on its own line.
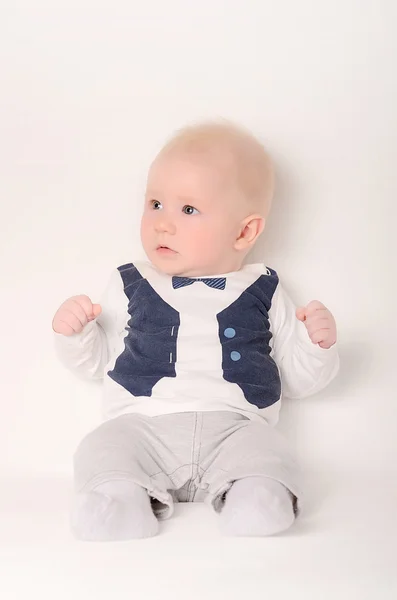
x=319, y=323
x=74, y=314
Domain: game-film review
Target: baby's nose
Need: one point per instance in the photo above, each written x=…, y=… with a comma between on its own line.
x=165, y=225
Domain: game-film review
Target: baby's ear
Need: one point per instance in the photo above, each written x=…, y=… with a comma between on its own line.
x=250, y=230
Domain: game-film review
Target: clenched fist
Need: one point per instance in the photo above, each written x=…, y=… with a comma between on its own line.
x=74, y=314
x=319, y=322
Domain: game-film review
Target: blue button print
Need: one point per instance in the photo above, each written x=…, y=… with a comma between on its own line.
x=235, y=355
x=230, y=332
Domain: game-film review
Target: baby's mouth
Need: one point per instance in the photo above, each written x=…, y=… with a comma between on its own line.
x=165, y=250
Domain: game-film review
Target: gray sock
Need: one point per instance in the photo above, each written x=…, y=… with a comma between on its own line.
x=256, y=506
x=115, y=510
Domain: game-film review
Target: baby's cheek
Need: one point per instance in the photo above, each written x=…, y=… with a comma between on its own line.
x=200, y=239
x=145, y=229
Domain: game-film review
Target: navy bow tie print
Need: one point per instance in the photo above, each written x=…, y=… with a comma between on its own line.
x=218, y=283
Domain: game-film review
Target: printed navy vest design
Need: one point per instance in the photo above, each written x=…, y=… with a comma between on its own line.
x=244, y=332
x=150, y=346
x=150, y=351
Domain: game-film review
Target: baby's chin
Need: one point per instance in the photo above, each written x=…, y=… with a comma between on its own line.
x=170, y=265
x=177, y=266
x=178, y=270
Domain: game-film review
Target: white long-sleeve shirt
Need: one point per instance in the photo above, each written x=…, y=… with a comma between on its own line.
x=227, y=342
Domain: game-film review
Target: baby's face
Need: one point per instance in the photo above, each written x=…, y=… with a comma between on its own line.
x=192, y=217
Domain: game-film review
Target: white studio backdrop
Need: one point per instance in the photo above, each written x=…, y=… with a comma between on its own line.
x=88, y=93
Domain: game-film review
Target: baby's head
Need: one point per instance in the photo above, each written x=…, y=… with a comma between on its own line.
x=208, y=193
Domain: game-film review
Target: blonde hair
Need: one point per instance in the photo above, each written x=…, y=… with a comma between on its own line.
x=245, y=156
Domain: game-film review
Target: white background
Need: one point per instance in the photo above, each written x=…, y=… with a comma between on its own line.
x=88, y=93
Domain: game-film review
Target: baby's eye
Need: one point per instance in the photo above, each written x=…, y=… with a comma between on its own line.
x=190, y=210
x=156, y=204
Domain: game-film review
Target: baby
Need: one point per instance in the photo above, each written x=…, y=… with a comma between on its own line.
x=195, y=351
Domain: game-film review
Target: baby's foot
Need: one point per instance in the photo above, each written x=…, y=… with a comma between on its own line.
x=116, y=510
x=256, y=506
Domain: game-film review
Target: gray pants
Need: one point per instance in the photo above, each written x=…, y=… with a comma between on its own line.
x=185, y=457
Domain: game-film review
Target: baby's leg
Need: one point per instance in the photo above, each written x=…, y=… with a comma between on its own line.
x=257, y=506
x=113, y=467
x=252, y=480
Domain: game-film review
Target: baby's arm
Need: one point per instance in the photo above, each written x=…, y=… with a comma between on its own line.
x=303, y=345
x=86, y=333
